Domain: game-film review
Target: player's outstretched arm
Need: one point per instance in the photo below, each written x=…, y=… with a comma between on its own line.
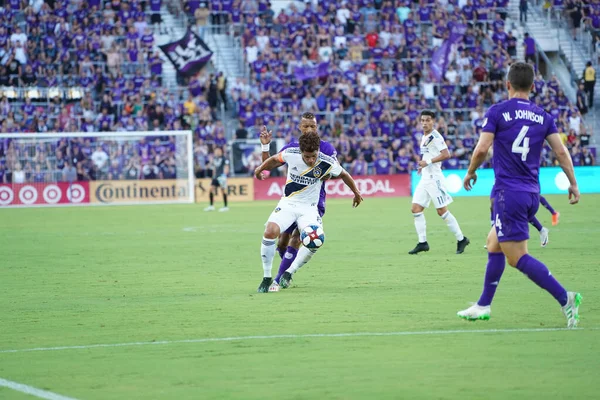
x=566, y=163
x=349, y=181
x=271, y=163
x=265, y=140
x=479, y=155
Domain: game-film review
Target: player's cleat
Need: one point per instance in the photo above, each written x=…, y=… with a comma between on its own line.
x=475, y=312
x=571, y=309
x=421, y=246
x=210, y=208
x=461, y=245
x=555, y=218
x=544, y=237
x=274, y=287
x=224, y=209
x=286, y=280
x=264, y=285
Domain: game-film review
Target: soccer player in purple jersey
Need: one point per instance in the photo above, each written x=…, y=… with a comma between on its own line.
x=517, y=129
x=289, y=240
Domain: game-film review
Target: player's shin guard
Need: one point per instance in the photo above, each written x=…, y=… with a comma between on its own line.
x=304, y=256
x=286, y=261
x=453, y=225
x=535, y=222
x=539, y=274
x=267, y=253
x=421, y=226
x=493, y=272
x=225, y=199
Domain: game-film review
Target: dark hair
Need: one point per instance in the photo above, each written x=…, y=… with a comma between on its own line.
x=308, y=115
x=428, y=113
x=310, y=141
x=520, y=76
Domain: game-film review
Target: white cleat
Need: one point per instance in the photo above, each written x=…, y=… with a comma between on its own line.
x=224, y=209
x=210, y=208
x=544, y=237
x=274, y=287
x=475, y=312
x=571, y=309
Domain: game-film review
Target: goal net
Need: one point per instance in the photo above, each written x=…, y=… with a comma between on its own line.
x=102, y=168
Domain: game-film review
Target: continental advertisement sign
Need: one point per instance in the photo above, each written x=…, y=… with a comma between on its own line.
x=136, y=192
x=238, y=189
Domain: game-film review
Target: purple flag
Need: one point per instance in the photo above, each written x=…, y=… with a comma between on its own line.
x=188, y=54
x=439, y=60
x=308, y=72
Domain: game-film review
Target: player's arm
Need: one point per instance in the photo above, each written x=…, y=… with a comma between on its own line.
x=479, y=155
x=566, y=163
x=226, y=168
x=265, y=141
x=443, y=156
x=271, y=163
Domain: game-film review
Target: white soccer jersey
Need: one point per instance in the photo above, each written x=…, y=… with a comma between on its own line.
x=431, y=147
x=303, y=183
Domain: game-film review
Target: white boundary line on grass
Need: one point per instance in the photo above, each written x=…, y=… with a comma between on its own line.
x=297, y=336
x=42, y=394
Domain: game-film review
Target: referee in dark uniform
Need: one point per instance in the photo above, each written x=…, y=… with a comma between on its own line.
x=220, y=170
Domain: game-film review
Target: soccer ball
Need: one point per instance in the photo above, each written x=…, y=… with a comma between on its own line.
x=312, y=236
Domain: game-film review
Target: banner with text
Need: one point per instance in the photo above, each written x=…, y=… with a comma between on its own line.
x=369, y=186
x=44, y=194
x=238, y=189
x=137, y=192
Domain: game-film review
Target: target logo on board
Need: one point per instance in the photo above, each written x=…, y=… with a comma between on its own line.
x=28, y=194
x=52, y=194
x=6, y=195
x=75, y=193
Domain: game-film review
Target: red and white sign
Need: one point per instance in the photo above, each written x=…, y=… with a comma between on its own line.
x=29, y=194
x=369, y=186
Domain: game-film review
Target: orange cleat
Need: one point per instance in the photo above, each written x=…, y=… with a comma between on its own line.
x=555, y=218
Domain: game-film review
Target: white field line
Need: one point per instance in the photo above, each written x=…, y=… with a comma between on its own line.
x=298, y=336
x=30, y=390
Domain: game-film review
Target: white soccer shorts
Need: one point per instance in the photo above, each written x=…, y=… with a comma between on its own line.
x=285, y=214
x=432, y=190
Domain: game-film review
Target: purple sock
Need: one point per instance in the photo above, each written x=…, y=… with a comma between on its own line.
x=536, y=223
x=538, y=273
x=547, y=205
x=286, y=261
x=493, y=272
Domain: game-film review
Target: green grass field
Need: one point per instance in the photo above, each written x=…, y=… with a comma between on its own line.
x=171, y=274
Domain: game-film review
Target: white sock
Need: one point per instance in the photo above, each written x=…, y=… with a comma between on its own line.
x=421, y=226
x=304, y=256
x=453, y=225
x=267, y=253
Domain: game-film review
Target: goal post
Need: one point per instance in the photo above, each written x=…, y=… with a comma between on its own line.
x=96, y=168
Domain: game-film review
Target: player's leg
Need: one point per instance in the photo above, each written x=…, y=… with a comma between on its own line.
x=309, y=216
x=543, y=231
x=280, y=219
x=441, y=199
x=214, y=186
x=290, y=253
x=224, y=192
x=420, y=201
x=493, y=272
x=513, y=213
x=555, y=214
x=284, y=240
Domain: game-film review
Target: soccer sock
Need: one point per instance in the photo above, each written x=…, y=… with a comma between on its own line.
x=267, y=252
x=453, y=225
x=211, y=196
x=538, y=273
x=281, y=252
x=421, y=226
x=286, y=261
x=535, y=222
x=547, y=205
x=493, y=272
x=304, y=255
x=225, y=199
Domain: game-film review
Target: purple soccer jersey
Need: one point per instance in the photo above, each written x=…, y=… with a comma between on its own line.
x=520, y=128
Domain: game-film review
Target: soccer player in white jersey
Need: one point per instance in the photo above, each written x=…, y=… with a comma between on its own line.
x=306, y=166
x=431, y=187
